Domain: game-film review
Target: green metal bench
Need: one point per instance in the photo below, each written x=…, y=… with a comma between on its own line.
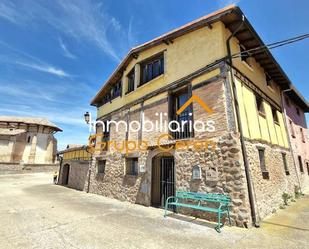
x=200, y=203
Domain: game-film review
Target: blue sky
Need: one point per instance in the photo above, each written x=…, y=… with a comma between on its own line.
x=55, y=55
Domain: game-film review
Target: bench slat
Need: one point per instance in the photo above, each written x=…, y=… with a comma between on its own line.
x=203, y=208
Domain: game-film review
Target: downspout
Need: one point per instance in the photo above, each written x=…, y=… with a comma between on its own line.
x=242, y=141
x=288, y=134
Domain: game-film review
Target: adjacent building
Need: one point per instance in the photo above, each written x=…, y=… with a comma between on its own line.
x=295, y=111
x=27, y=140
x=245, y=153
x=74, y=166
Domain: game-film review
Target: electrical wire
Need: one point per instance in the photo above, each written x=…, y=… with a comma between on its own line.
x=264, y=48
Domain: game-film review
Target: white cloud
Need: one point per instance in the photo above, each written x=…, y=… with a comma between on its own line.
x=224, y=3
x=14, y=56
x=85, y=21
x=65, y=50
x=8, y=12
x=44, y=68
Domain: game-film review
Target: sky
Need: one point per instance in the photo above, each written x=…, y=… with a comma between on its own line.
x=55, y=55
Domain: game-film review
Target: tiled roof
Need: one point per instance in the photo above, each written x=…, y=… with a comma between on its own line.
x=29, y=120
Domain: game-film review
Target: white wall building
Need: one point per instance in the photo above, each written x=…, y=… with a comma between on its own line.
x=27, y=139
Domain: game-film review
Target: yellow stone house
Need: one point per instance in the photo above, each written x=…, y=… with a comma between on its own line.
x=211, y=58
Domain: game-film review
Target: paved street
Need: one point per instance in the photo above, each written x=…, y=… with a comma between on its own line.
x=34, y=213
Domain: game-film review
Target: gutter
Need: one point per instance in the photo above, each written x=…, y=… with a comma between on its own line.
x=242, y=141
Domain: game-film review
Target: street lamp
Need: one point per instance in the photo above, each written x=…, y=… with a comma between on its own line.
x=87, y=117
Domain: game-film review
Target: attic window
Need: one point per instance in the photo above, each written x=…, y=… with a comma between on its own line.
x=116, y=90
x=244, y=54
x=152, y=68
x=131, y=79
x=269, y=81
x=106, y=98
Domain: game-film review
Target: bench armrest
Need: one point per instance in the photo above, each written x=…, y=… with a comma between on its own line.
x=171, y=197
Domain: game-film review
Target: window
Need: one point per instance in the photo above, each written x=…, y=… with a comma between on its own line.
x=196, y=173
x=307, y=164
x=300, y=163
x=275, y=115
x=297, y=111
x=244, y=55
x=259, y=105
x=131, y=79
x=116, y=90
x=265, y=173
x=269, y=81
x=176, y=101
x=105, y=137
x=302, y=135
x=106, y=98
x=292, y=128
x=132, y=166
x=285, y=164
x=101, y=166
x=29, y=139
x=152, y=69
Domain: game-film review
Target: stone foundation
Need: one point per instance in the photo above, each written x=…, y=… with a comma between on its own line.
x=268, y=192
x=225, y=160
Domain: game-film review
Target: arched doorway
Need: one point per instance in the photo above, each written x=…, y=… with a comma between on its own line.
x=162, y=179
x=65, y=174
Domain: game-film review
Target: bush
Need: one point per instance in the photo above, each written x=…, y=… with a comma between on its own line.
x=286, y=197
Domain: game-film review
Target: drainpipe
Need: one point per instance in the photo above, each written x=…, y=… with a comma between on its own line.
x=242, y=141
x=288, y=134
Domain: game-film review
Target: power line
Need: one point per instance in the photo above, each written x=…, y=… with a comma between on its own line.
x=264, y=48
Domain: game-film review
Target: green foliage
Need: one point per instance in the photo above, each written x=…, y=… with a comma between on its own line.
x=286, y=197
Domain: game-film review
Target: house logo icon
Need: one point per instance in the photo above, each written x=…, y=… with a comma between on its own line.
x=197, y=99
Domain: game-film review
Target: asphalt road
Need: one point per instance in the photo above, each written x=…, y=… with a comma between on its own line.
x=34, y=213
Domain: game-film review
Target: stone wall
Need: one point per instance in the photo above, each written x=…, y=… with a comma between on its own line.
x=78, y=171
x=27, y=168
x=225, y=160
x=268, y=192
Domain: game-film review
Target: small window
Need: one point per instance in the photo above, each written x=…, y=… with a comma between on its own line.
x=300, y=163
x=131, y=79
x=244, y=54
x=260, y=105
x=269, y=81
x=297, y=111
x=302, y=135
x=116, y=90
x=196, y=172
x=29, y=139
x=106, y=98
x=292, y=128
x=101, y=166
x=275, y=116
x=152, y=69
x=132, y=166
x=285, y=164
x=265, y=173
x=307, y=164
